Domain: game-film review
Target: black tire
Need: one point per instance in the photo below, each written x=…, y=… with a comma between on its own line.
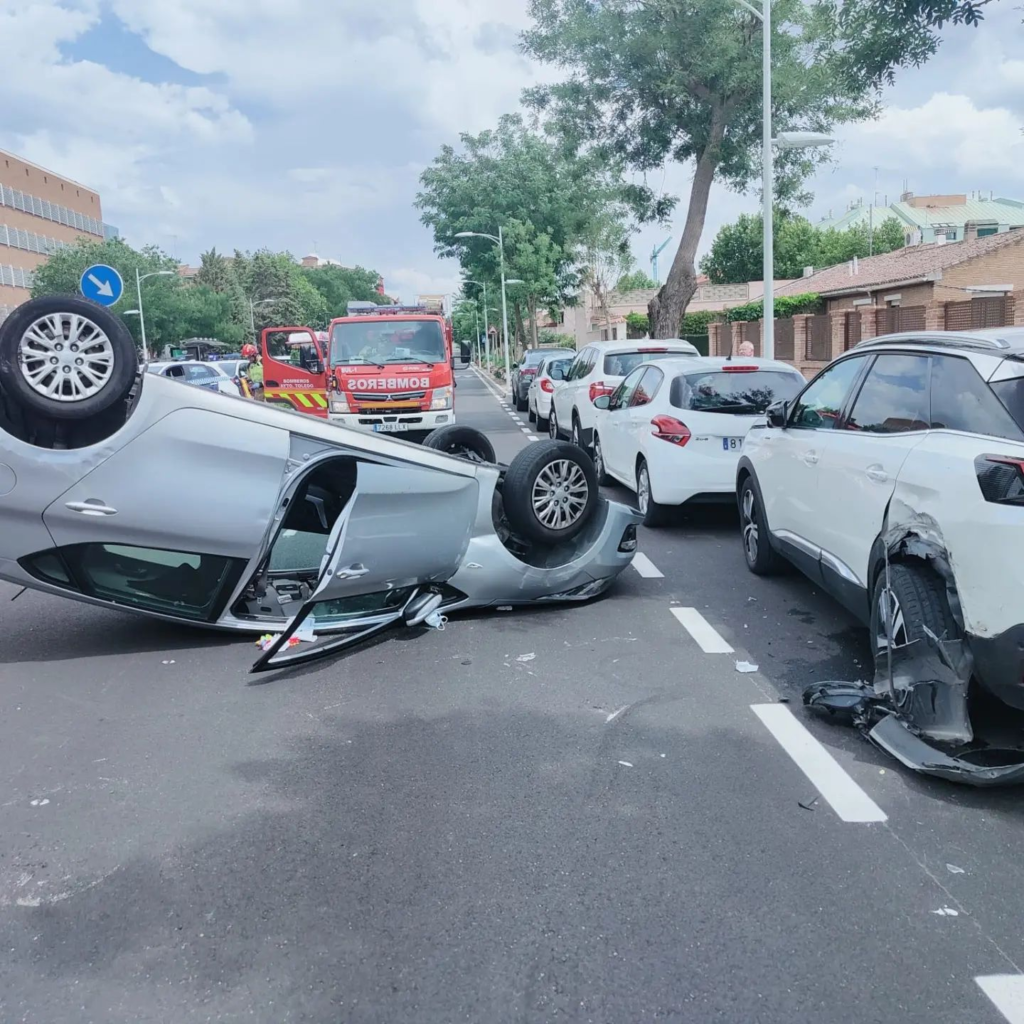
x=920, y=601
x=655, y=514
x=761, y=558
x=576, y=436
x=530, y=414
x=603, y=479
x=106, y=351
x=542, y=423
x=520, y=404
x=463, y=442
x=553, y=424
x=550, y=492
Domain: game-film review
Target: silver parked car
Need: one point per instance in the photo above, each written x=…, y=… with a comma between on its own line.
x=124, y=489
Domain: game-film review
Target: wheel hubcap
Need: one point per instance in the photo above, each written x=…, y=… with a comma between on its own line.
x=575, y=433
x=750, y=535
x=553, y=426
x=598, y=459
x=80, y=374
x=644, y=490
x=560, y=494
x=890, y=616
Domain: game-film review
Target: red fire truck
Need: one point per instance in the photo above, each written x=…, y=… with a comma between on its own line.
x=380, y=368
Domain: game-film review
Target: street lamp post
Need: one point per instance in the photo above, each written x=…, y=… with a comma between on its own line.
x=481, y=284
x=785, y=140
x=500, y=243
x=252, y=313
x=142, y=316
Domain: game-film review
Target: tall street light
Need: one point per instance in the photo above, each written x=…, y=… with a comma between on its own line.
x=252, y=314
x=785, y=140
x=498, y=240
x=142, y=317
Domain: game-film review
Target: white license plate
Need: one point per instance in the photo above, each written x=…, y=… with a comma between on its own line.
x=732, y=444
x=389, y=428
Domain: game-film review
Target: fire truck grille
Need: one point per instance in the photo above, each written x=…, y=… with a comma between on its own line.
x=398, y=396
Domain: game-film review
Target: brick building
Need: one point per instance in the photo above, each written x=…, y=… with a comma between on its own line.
x=40, y=212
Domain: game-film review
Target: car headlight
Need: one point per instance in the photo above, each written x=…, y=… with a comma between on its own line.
x=338, y=402
x=442, y=399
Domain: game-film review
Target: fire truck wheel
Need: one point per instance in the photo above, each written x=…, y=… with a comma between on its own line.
x=463, y=442
x=66, y=358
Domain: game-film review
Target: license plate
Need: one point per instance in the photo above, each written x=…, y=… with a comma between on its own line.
x=732, y=444
x=389, y=428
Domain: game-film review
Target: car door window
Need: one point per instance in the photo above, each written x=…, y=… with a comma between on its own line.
x=894, y=398
x=201, y=373
x=623, y=394
x=648, y=386
x=178, y=372
x=961, y=400
x=821, y=403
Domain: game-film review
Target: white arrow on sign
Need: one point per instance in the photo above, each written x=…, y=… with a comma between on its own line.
x=102, y=287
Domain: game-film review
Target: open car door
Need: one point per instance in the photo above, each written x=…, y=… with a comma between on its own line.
x=294, y=369
x=402, y=533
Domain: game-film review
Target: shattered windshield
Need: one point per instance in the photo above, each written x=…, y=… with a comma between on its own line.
x=391, y=341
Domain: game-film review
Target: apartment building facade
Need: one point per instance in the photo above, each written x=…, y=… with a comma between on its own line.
x=40, y=213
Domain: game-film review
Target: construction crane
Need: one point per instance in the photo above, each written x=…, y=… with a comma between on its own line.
x=654, y=259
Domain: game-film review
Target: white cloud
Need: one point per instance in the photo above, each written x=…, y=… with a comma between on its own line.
x=408, y=283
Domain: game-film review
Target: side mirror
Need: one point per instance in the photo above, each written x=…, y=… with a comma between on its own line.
x=602, y=401
x=777, y=414
x=464, y=353
x=316, y=366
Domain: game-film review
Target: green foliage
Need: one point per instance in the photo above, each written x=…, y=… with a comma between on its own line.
x=785, y=307
x=644, y=83
x=552, y=339
x=736, y=257
x=694, y=324
x=341, y=285
x=635, y=281
x=637, y=325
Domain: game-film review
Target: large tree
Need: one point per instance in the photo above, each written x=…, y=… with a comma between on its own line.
x=545, y=199
x=648, y=82
x=735, y=256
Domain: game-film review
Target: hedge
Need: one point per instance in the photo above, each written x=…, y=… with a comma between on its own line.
x=785, y=307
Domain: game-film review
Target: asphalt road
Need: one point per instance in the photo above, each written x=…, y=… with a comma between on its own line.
x=569, y=814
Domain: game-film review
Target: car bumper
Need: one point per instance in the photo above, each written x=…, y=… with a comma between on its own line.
x=682, y=476
x=419, y=423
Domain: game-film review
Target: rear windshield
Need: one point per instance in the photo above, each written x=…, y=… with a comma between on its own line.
x=534, y=357
x=388, y=341
x=551, y=364
x=622, y=364
x=1011, y=394
x=740, y=393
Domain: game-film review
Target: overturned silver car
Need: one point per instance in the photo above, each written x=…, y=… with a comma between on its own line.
x=136, y=491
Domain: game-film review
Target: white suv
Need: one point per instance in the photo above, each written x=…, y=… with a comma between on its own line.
x=911, y=445
x=598, y=370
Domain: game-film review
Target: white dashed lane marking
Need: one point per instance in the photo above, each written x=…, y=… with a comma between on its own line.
x=844, y=796
x=701, y=630
x=532, y=437
x=1007, y=994
x=646, y=567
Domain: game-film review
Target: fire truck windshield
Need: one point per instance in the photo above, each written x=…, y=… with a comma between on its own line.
x=391, y=341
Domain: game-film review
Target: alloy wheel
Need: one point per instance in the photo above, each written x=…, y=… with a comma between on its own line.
x=65, y=357
x=643, y=489
x=560, y=494
x=750, y=532
x=598, y=458
x=552, y=425
x=890, y=616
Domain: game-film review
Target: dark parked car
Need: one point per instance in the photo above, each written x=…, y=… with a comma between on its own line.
x=524, y=372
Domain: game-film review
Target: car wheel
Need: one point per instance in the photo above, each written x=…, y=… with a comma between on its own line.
x=66, y=358
x=654, y=513
x=577, y=432
x=603, y=478
x=531, y=415
x=553, y=425
x=762, y=558
x=913, y=603
x=462, y=442
x=520, y=404
x=550, y=492
x=542, y=423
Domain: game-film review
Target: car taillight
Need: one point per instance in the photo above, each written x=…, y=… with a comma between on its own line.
x=526, y=372
x=599, y=388
x=546, y=385
x=1001, y=478
x=740, y=369
x=668, y=428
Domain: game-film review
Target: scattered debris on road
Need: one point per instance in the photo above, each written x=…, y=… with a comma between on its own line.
x=746, y=667
x=526, y=657
x=625, y=764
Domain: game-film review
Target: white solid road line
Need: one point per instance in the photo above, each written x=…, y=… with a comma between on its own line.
x=646, y=567
x=701, y=630
x=846, y=798
x=1007, y=993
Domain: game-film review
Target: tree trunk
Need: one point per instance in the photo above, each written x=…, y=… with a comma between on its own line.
x=533, y=323
x=520, y=330
x=665, y=311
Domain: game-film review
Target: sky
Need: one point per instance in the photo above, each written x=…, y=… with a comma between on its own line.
x=305, y=125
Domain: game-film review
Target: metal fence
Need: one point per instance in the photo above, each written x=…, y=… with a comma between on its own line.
x=752, y=333
x=974, y=314
x=819, y=337
x=851, y=330
x=725, y=339
x=893, y=319
x=785, y=339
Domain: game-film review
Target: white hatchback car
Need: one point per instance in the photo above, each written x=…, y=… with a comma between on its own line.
x=538, y=400
x=203, y=375
x=598, y=370
x=672, y=431
x=895, y=480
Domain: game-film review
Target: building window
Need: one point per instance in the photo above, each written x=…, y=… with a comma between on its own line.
x=982, y=232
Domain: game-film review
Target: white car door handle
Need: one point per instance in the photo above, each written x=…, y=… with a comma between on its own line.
x=877, y=474
x=811, y=458
x=92, y=507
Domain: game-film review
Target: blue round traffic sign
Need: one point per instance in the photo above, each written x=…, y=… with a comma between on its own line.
x=102, y=284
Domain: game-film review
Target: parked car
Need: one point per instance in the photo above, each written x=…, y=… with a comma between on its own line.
x=672, y=431
x=524, y=372
x=203, y=375
x=123, y=489
x=550, y=371
x=895, y=480
x=598, y=370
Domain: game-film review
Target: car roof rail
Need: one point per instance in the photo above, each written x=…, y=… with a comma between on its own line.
x=940, y=339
